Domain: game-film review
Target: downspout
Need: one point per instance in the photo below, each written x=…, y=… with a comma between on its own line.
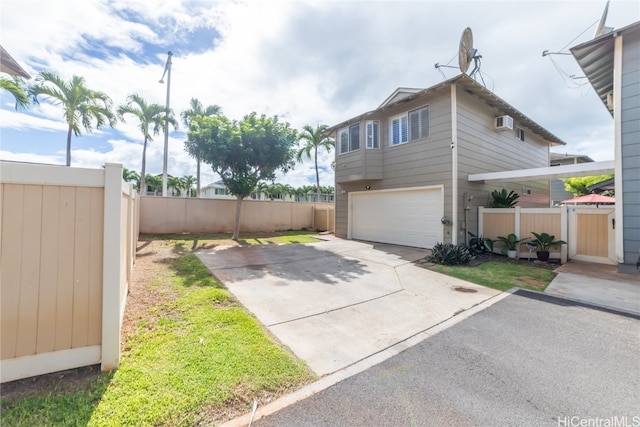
x=454, y=166
x=617, y=138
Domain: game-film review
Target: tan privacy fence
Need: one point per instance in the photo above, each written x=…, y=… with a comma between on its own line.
x=191, y=215
x=67, y=245
x=588, y=231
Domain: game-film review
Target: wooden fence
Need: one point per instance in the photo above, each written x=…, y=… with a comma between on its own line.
x=164, y=215
x=588, y=231
x=67, y=246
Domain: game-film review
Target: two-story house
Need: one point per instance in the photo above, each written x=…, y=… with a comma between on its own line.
x=401, y=169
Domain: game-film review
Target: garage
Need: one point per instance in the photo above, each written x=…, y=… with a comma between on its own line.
x=409, y=217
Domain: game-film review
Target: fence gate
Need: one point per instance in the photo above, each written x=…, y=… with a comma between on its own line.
x=591, y=234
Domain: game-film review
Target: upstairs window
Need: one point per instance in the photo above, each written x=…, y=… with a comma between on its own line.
x=409, y=126
x=520, y=134
x=419, y=123
x=349, y=138
x=373, y=133
x=399, y=133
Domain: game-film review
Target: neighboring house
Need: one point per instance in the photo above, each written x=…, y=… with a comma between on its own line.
x=611, y=62
x=216, y=190
x=608, y=185
x=402, y=169
x=557, y=193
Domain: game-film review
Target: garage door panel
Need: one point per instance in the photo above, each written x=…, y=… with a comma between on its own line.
x=404, y=217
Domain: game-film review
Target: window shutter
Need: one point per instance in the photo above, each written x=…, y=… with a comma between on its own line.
x=424, y=122
x=414, y=123
x=344, y=141
x=395, y=132
x=354, y=137
x=404, y=134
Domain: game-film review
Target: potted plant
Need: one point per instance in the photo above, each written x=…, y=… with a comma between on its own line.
x=543, y=243
x=509, y=245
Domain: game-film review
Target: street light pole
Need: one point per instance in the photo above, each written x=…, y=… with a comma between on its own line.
x=167, y=71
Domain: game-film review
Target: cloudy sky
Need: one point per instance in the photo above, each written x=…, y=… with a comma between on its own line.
x=308, y=62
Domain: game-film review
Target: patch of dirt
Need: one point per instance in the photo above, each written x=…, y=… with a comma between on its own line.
x=532, y=282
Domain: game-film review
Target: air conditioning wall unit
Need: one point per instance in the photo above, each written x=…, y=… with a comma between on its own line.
x=504, y=123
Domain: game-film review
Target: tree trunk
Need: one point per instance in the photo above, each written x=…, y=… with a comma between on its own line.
x=198, y=177
x=143, y=186
x=236, y=225
x=317, y=175
x=69, y=146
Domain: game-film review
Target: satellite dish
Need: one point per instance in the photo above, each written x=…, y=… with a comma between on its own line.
x=466, y=51
x=601, y=29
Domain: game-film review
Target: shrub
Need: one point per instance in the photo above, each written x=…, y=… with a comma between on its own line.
x=502, y=199
x=450, y=254
x=479, y=244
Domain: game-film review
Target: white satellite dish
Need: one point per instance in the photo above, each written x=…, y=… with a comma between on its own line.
x=601, y=29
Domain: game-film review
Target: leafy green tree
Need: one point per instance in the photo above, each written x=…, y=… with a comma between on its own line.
x=193, y=147
x=154, y=182
x=149, y=116
x=314, y=139
x=176, y=184
x=82, y=106
x=16, y=87
x=187, y=184
x=129, y=175
x=246, y=152
x=579, y=186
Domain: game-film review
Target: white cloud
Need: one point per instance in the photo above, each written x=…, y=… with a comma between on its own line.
x=306, y=61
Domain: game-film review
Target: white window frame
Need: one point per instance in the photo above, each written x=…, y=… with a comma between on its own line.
x=372, y=131
x=346, y=132
x=403, y=122
x=519, y=134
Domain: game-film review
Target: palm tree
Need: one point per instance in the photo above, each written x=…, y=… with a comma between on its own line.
x=187, y=184
x=197, y=109
x=15, y=86
x=176, y=184
x=261, y=188
x=154, y=182
x=81, y=105
x=314, y=139
x=129, y=175
x=149, y=115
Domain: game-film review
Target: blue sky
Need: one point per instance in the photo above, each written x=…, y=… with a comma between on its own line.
x=306, y=61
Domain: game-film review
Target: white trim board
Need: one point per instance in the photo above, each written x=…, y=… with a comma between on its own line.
x=45, y=363
x=551, y=172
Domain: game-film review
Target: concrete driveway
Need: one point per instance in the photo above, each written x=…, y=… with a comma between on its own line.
x=337, y=302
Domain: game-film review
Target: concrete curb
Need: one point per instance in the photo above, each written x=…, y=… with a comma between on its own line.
x=362, y=365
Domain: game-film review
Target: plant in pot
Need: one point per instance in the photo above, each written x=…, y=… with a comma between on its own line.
x=543, y=243
x=509, y=245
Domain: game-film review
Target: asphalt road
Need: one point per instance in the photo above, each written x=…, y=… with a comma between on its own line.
x=528, y=360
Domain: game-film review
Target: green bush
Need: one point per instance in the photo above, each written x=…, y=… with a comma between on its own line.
x=479, y=244
x=450, y=254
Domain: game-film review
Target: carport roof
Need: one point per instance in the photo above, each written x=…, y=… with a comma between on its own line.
x=471, y=86
x=551, y=172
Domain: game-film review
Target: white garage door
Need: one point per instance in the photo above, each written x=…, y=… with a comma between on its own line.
x=409, y=217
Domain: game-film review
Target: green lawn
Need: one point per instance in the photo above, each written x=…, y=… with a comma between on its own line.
x=501, y=275
x=191, y=356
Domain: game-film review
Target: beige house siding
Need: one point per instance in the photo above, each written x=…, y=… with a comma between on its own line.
x=52, y=257
x=480, y=147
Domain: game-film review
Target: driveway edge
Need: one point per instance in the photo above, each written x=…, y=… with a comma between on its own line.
x=362, y=365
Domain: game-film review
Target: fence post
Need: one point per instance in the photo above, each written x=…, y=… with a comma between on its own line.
x=480, y=221
x=564, y=233
x=516, y=222
x=111, y=267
